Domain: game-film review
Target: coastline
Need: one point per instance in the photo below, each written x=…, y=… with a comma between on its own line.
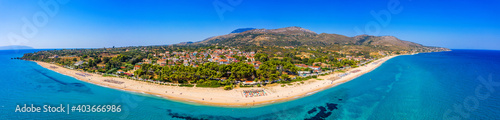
x=218, y=96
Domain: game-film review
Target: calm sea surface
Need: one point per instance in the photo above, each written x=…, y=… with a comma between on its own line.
x=423, y=86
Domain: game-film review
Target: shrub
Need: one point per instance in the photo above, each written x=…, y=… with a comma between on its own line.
x=186, y=85
x=207, y=85
x=284, y=82
x=246, y=86
x=282, y=85
x=228, y=87
x=108, y=75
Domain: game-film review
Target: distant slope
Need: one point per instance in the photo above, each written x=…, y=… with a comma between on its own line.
x=15, y=47
x=297, y=36
x=242, y=30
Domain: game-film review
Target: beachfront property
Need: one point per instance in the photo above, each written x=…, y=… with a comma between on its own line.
x=136, y=67
x=55, y=56
x=309, y=70
x=78, y=63
x=249, y=83
x=304, y=73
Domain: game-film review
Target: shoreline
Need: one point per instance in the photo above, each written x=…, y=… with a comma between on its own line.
x=217, y=96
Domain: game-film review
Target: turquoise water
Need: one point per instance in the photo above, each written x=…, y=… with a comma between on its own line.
x=423, y=86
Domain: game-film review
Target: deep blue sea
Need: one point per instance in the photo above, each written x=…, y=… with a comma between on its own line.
x=462, y=84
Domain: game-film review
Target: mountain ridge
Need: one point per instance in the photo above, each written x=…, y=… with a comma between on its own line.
x=15, y=47
x=297, y=36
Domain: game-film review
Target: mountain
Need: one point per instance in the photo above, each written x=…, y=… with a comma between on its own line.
x=15, y=47
x=242, y=30
x=297, y=36
x=185, y=43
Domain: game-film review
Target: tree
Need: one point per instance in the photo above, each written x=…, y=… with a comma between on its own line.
x=222, y=56
x=91, y=63
x=98, y=60
x=287, y=59
x=285, y=77
x=105, y=59
x=273, y=76
x=138, y=72
x=263, y=58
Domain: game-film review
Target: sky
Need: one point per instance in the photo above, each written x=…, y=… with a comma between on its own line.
x=462, y=24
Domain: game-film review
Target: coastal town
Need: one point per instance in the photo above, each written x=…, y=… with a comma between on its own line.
x=226, y=67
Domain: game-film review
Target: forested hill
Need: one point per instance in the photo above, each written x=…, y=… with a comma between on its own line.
x=296, y=36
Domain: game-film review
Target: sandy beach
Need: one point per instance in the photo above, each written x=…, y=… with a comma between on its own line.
x=218, y=96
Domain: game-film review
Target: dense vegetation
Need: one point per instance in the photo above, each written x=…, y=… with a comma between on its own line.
x=273, y=67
